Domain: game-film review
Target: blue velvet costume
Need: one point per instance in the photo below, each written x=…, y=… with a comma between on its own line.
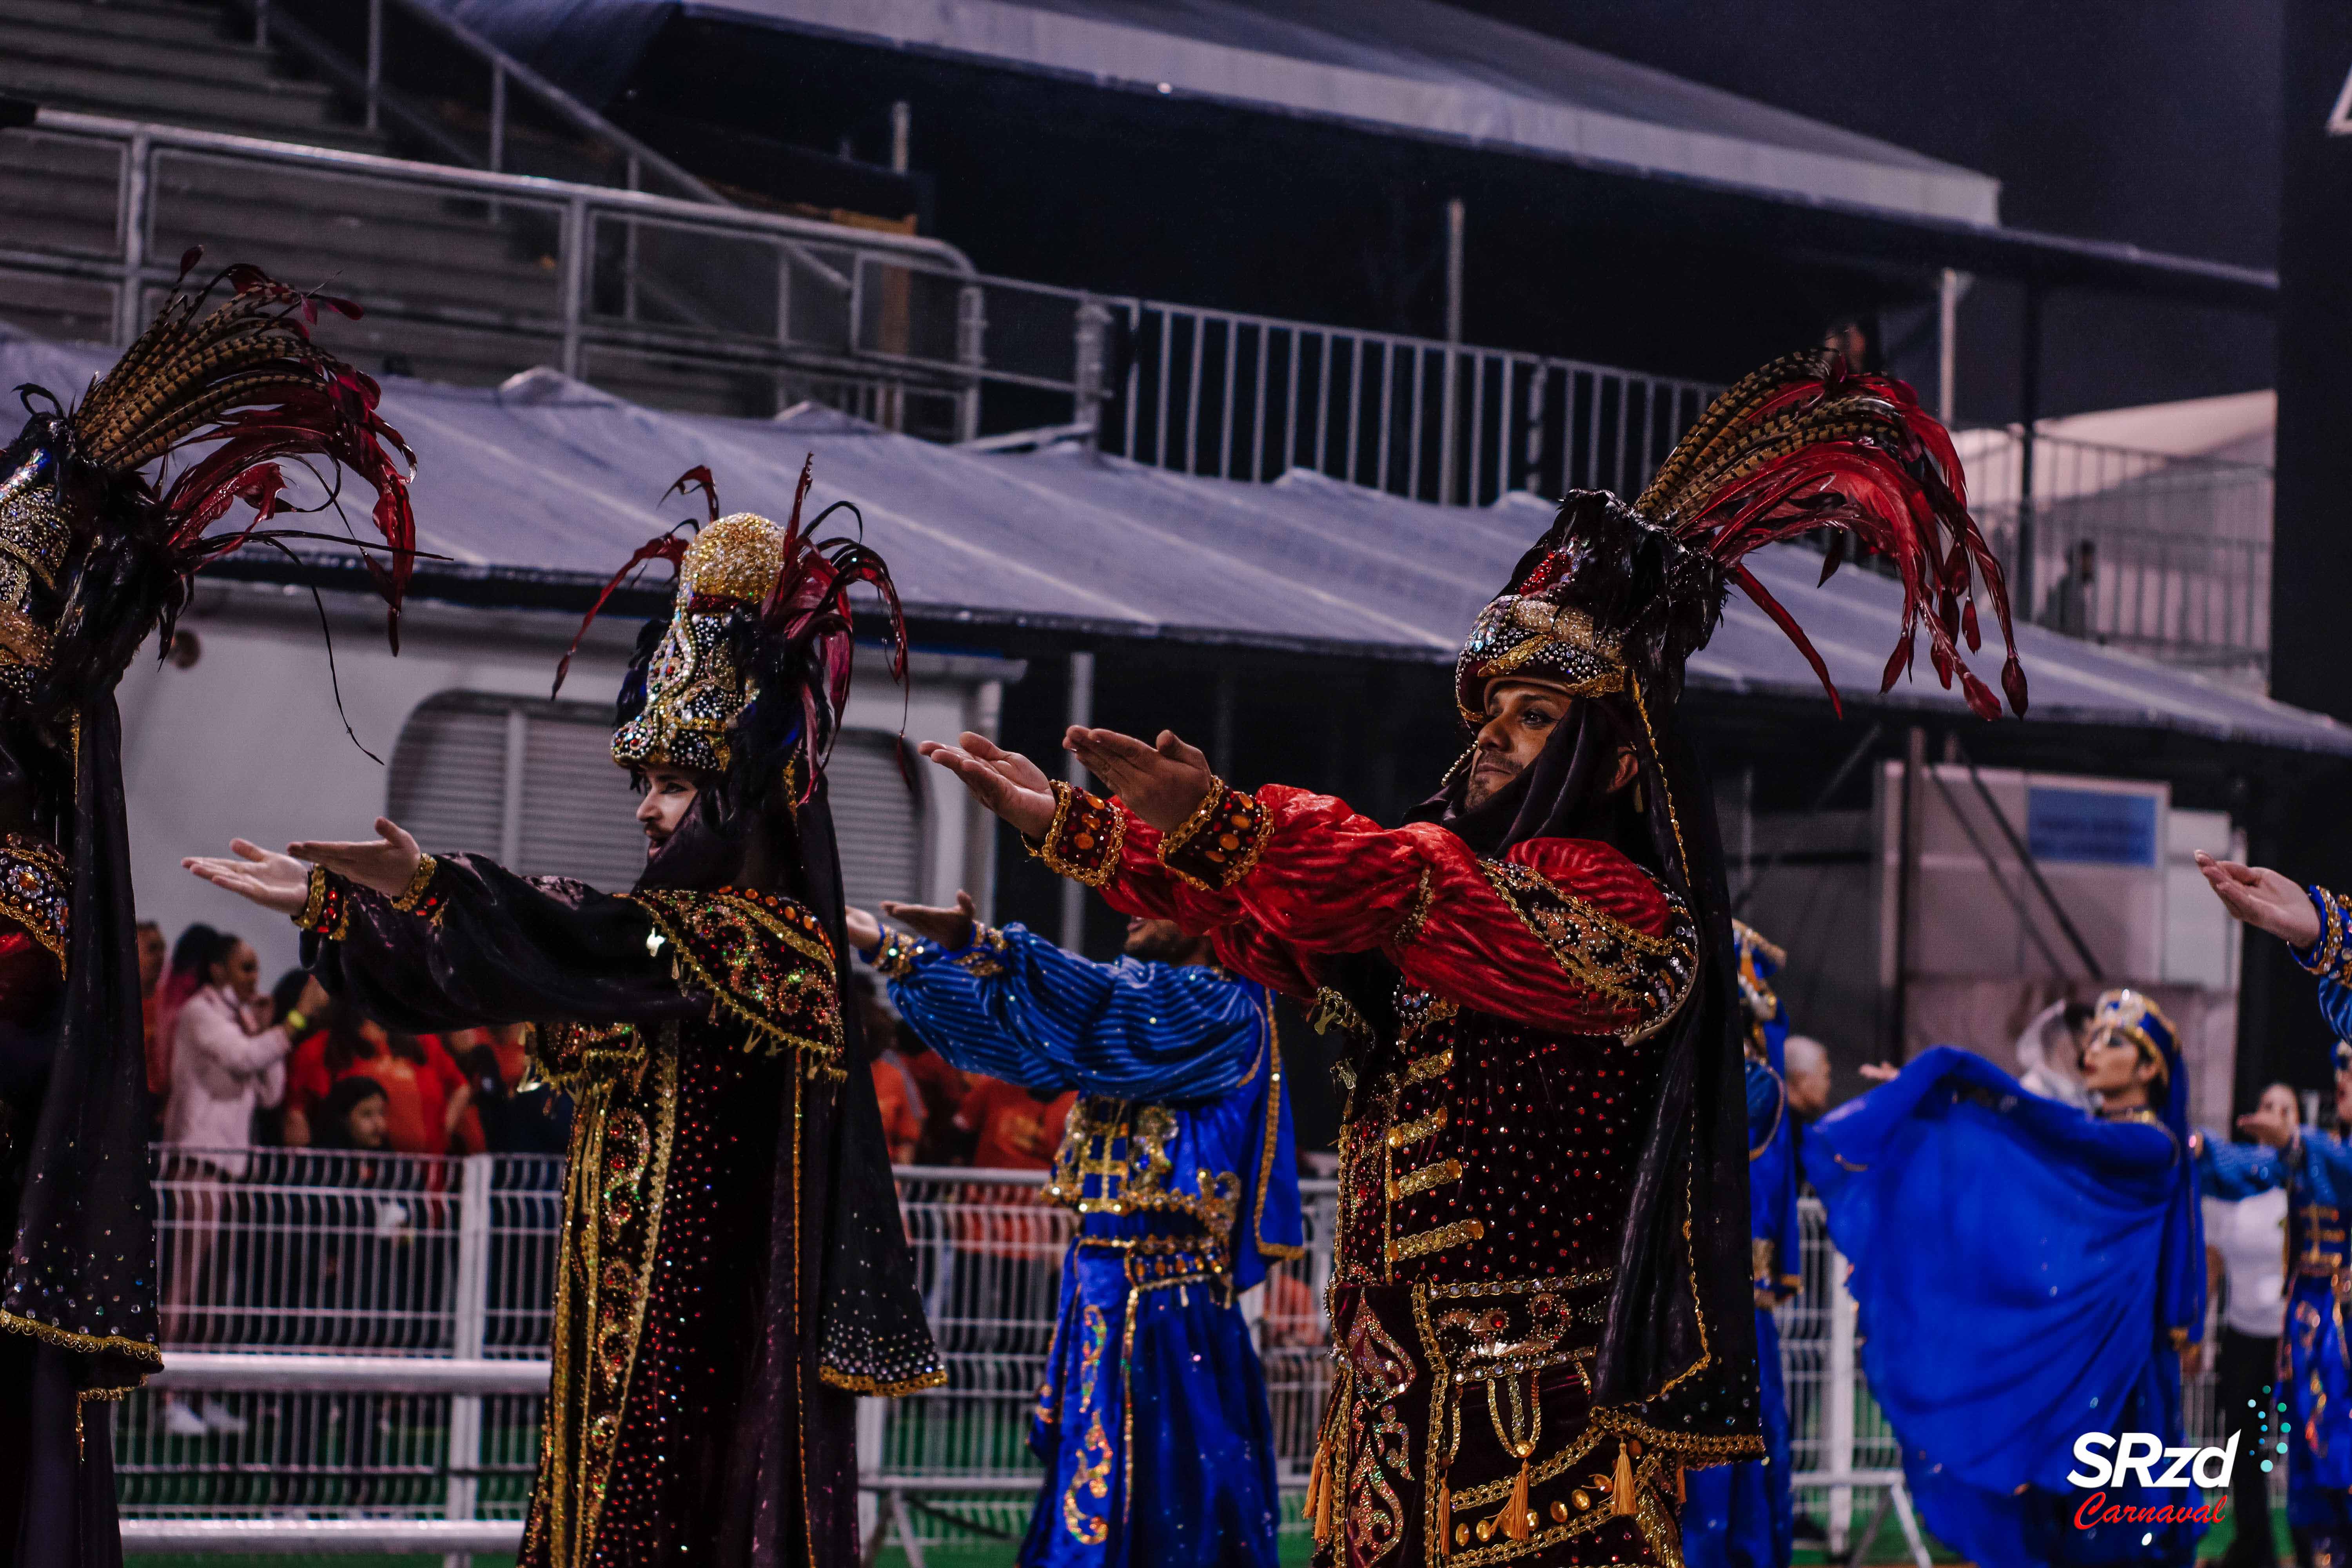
x=1178, y=1157
x=2025, y=1273
x=2317, y=1175
x=1739, y=1515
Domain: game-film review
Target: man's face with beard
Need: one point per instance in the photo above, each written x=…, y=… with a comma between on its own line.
x=1163, y=942
x=669, y=794
x=1521, y=717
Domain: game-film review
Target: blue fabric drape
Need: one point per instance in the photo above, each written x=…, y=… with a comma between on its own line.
x=2018, y=1267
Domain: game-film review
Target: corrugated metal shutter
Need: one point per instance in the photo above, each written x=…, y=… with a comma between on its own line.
x=879, y=821
x=578, y=808
x=448, y=782
x=449, y=787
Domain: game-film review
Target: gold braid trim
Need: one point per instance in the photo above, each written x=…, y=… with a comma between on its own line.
x=855, y=1383
x=1648, y=976
x=1092, y=828
x=1221, y=842
x=420, y=882
x=740, y=948
x=2331, y=933
x=143, y=1352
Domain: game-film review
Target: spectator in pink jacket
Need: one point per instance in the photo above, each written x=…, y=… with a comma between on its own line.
x=227, y=1057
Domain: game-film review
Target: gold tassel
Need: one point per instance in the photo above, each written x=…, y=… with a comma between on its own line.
x=1444, y=1518
x=1515, y=1517
x=1678, y=1486
x=1620, y=1485
x=1319, y=1501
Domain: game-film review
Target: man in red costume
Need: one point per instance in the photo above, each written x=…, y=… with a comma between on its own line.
x=1542, y=1304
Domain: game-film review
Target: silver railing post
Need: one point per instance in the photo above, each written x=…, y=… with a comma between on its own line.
x=375, y=61
x=574, y=299
x=1838, y=1397
x=498, y=115
x=473, y=1289
x=972, y=340
x=132, y=214
x=1088, y=359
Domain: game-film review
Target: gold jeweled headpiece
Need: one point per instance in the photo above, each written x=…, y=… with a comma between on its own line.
x=697, y=683
x=2137, y=1018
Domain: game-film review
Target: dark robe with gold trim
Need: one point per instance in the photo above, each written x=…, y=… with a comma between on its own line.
x=733, y=1270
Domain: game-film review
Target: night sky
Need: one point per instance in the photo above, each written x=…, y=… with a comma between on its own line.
x=2151, y=122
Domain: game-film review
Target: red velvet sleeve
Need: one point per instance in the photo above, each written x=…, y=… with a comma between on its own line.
x=1564, y=933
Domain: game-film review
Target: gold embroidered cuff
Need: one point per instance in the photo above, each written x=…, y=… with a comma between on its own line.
x=327, y=911
x=420, y=897
x=1086, y=838
x=2323, y=957
x=984, y=956
x=896, y=957
x=1220, y=843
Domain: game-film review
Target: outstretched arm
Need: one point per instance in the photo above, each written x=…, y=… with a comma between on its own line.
x=1013, y=1006
x=457, y=940
x=2315, y=923
x=1560, y=932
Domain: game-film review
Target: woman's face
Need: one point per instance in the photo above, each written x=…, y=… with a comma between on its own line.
x=2279, y=1104
x=240, y=971
x=2112, y=1063
x=366, y=1123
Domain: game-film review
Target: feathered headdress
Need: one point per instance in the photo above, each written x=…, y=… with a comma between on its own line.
x=1802, y=444
x=94, y=555
x=750, y=675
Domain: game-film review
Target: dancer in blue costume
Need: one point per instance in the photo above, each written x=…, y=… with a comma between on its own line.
x=1740, y=1513
x=2317, y=1171
x=1177, y=1156
x=2026, y=1273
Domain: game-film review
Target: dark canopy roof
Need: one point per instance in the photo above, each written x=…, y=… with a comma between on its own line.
x=546, y=483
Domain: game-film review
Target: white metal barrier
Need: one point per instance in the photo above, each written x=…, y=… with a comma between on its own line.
x=355, y=1362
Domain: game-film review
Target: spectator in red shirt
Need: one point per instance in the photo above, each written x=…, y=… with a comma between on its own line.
x=1011, y=1127
x=895, y=1088
x=426, y=1094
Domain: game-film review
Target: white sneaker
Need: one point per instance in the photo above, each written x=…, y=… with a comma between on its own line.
x=219, y=1417
x=179, y=1421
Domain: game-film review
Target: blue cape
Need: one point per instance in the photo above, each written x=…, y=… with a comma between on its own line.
x=2016, y=1262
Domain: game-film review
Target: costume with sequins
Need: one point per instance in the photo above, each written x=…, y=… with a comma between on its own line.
x=1742, y=1513
x=734, y=1267
x=2315, y=1369
x=1177, y=1158
x=1541, y=1301
x=2024, y=1273
x=1483, y=1174
x=109, y=504
x=701, y=1036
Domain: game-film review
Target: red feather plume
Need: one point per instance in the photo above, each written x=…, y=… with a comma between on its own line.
x=1806, y=443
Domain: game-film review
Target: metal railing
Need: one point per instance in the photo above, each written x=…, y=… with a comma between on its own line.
x=420, y=85
x=471, y=276
x=1243, y=396
x=416, y=1294
x=2179, y=548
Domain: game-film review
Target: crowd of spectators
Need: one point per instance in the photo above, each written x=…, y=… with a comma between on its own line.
x=233, y=1067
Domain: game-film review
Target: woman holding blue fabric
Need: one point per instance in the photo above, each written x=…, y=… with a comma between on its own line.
x=2026, y=1273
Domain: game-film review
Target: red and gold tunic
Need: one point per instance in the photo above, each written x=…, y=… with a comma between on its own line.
x=1487, y=1159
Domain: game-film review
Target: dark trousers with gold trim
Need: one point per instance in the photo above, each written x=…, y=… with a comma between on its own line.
x=1425, y=1459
